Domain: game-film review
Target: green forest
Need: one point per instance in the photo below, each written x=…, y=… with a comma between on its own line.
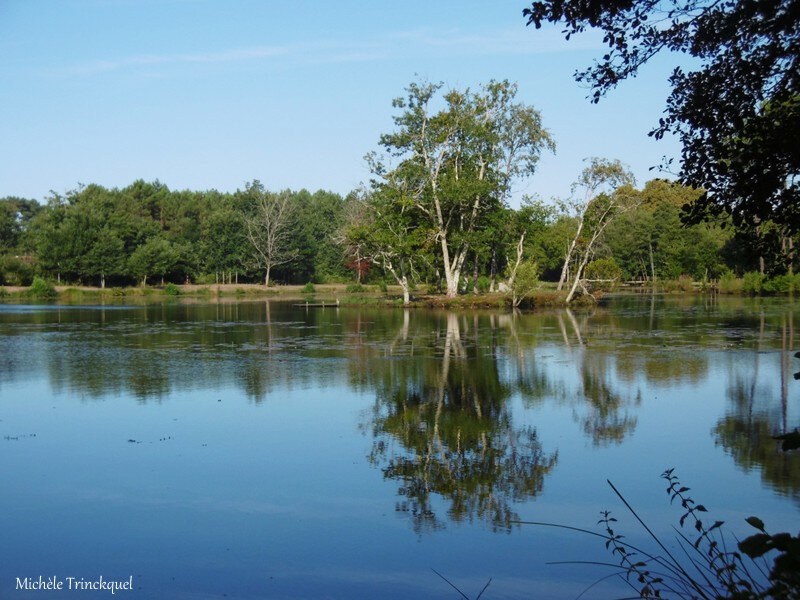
x=147, y=233
x=437, y=216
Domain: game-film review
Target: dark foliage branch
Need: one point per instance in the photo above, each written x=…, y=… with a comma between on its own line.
x=735, y=108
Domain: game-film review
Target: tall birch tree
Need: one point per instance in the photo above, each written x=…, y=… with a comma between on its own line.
x=458, y=164
x=601, y=176
x=603, y=192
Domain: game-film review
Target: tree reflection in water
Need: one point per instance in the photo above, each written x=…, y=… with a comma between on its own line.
x=443, y=429
x=444, y=384
x=606, y=419
x=747, y=432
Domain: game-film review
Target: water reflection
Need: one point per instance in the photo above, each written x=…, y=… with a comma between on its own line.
x=755, y=419
x=604, y=414
x=607, y=419
x=330, y=418
x=442, y=427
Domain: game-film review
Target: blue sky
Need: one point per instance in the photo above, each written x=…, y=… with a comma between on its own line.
x=209, y=93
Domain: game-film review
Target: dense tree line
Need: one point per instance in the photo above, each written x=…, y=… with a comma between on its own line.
x=146, y=232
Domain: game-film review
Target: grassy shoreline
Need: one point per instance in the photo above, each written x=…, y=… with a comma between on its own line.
x=369, y=295
x=341, y=293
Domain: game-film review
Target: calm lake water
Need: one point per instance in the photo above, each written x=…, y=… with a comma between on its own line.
x=258, y=450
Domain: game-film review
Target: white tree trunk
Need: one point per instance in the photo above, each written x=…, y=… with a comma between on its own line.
x=406, y=291
x=578, y=275
x=565, y=269
x=401, y=277
x=451, y=275
x=517, y=263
